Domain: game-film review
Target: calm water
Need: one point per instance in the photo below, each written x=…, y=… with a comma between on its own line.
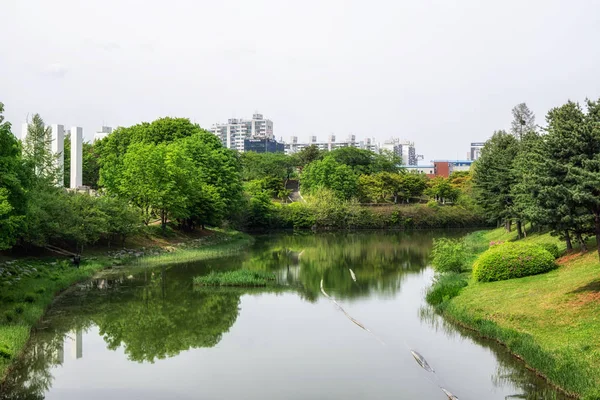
x=149, y=334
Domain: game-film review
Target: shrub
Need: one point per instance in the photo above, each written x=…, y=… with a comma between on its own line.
x=5, y=352
x=9, y=316
x=29, y=298
x=552, y=248
x=445, y=287
x=19, y=309
x=448, y=255
x=512, y=260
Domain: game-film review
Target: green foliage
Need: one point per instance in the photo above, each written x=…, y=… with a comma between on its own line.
x=512, y=260
x=330, y=174
x=12, y=188
x=307, y=155
x=299, y=215
x=493, y=176
x=90, y=166
x=445, y=287
x=5, y=351
x=239, y=277
x=363, y=162
x=551, y=248
x=258, y=166
x=441, y=189
x=449, y=255
x=37, y=150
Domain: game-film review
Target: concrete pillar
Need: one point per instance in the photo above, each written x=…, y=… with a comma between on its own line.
x=24, y=127
x=76, y=157
x=58, y=148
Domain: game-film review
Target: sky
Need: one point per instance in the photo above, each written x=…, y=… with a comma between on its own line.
x=440, y=73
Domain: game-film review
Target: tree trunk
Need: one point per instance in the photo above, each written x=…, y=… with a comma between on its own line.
x=507, y=224
x=163, y=221
x=519, y=229
x=581, y=242
x=568, y=241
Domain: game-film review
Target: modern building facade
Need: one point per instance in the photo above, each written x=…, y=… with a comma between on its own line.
x=428, y=170
x=235, y=132
x=263, y=146
x=475, y=151
x=102, y=133
x=402, y=148
x=446, y=167
x=331, y=144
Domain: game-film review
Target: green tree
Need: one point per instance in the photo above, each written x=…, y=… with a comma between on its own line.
x=37, y=150
x=523, y=121
x=90, y=167
x=307, y=155
x=12, y=190
x=493, y=177
x=263, y=165
x=330, y=174
x=441, y=189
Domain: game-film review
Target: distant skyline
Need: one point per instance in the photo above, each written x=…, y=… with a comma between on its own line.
x=440, y=74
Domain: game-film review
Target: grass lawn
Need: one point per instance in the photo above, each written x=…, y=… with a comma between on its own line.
x=551, y=320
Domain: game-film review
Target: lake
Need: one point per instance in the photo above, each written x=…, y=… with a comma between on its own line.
x=139, y=333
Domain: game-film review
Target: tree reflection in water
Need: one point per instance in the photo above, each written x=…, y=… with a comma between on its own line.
x=156, y=314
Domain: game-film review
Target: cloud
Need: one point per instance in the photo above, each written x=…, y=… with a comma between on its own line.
x=56, y=70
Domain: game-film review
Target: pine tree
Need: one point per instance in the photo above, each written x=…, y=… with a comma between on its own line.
x=494, y=178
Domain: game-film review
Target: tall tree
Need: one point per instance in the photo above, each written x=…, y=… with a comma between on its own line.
x=523, y=121
x=37, y=150
x=493, y=177
x=330, y=174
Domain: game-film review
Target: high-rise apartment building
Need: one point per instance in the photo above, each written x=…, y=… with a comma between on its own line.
x=475, y=150
x=331, y=144
x=234, y=133
x=404, y=149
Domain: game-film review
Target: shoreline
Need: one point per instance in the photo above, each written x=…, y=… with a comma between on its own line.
x=14, y=337
x=540, y=319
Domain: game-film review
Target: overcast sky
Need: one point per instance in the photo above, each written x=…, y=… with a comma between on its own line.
x=440, y=73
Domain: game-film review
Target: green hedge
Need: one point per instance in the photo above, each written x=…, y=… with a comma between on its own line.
x=512, y=260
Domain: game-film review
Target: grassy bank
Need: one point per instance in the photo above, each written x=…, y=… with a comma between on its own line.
x=551, y=321
x=28, y=286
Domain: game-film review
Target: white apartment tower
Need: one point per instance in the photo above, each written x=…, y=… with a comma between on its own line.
x=235, y=131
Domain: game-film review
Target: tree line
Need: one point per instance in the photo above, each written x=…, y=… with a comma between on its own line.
x=173, y=172
x=545, y=176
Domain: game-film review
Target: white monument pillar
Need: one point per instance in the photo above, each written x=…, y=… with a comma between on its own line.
x=24, y=128
x=76, y=156
x=58, y=148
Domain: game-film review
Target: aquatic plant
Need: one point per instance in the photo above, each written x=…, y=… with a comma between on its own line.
x=240, y=277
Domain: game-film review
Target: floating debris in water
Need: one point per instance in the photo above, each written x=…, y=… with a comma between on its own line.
x=348, y=315
x=352, y=275
x=450, y=395
x=421, y=361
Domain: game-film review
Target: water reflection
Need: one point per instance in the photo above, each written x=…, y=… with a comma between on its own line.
x=157, y=314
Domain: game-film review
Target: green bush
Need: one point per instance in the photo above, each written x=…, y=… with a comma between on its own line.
x=445, y=287
x=552, y=248
x=19, y=309
x=448, y=255
x=9, y=316
x=512, y=260
x=29, y=298
x=5, y=352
